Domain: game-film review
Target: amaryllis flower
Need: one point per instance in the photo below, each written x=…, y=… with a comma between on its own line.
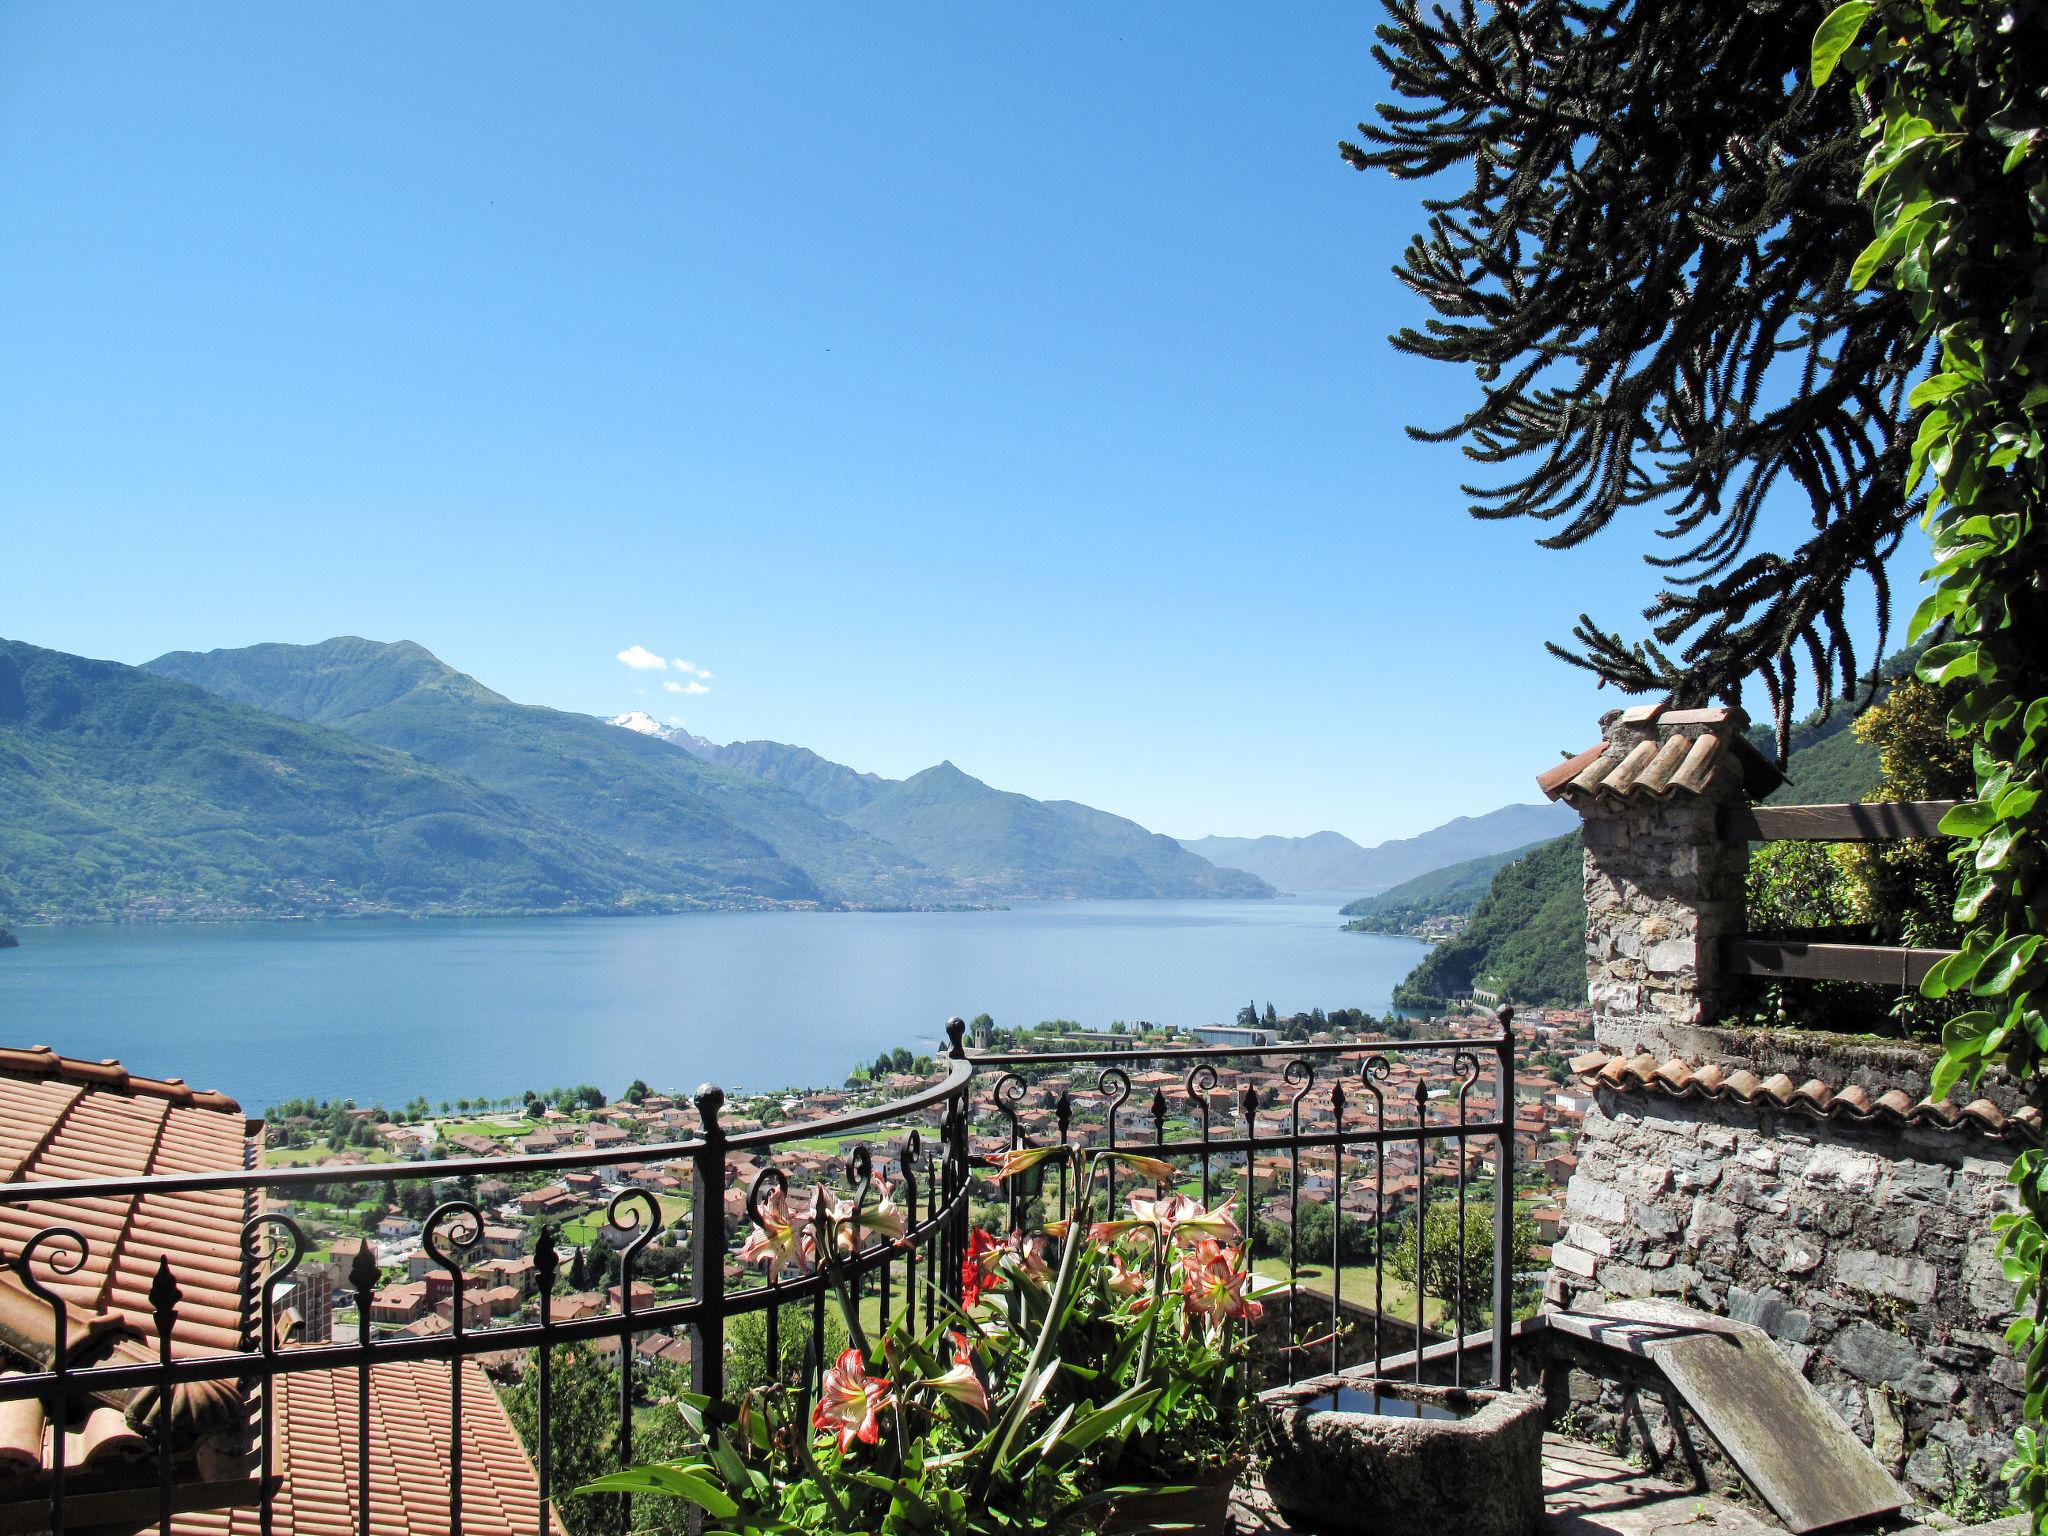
x=1214, y=1283
x=978, y=1270
x=960, y=1383
x=882, y=1219
x=850, y=1401
x=1176, y=1217
x=1033, y=1258
x=776, y=1240
x=1021, y=1159
x=1124, y=1280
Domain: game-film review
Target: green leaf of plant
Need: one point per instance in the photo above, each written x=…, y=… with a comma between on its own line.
x=1971, y=818
x=1940, y=387
x=1950, y=662
x=2005, y=964
x=681, y=1482
x=1996, y=845
x=1836, y=35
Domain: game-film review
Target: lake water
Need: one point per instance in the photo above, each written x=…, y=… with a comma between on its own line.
x=380, y=1010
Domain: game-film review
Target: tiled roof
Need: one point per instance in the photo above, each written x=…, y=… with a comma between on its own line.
x=409, y=1465
x=39, y=1061
x=61, y=1118
x=1677, y=1079
x=1658, y=753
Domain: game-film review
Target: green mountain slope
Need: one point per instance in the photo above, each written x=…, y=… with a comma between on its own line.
x=1526, y=937
x=1451, y=892
x=682, y=824
x=123, y=794
x=1001, y=845
x=998, y=845
x=833, y=788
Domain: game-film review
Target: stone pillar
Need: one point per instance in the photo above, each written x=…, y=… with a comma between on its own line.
x=1663, y=888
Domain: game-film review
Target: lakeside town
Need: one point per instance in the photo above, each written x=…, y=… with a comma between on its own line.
x=363, y=1219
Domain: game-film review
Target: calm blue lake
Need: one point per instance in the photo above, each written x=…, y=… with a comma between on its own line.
x=381, y=1010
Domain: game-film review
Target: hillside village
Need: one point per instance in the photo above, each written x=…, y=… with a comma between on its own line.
x=414, y=1297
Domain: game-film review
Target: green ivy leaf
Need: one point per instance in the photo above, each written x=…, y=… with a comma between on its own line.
x=2017, y=802
x=2005, y=964
x=1971, y=896
x=1940, y=387
x=1837, y=34
x=1996, y=845
x=1950, y=662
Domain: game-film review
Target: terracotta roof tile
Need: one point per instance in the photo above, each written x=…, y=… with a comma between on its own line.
x=1679, y=1079
x=65, y=1118
x=1662, y=753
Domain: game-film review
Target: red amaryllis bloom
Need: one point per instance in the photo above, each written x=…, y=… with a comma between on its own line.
x=960, y=1383
x=850, y=1402
x=1213, y=1285
x=775, y=1240
x=978, y=1271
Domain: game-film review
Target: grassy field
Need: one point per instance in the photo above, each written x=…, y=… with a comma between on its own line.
x=879, y=1137
x=585, y=1229
x=299, y=1157
x=1359, y=1289
x=499, y=1129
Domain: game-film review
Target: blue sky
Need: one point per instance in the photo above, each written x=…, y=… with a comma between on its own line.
x=1002, y=385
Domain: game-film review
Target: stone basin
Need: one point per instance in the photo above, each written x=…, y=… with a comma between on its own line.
x=1355, y=1452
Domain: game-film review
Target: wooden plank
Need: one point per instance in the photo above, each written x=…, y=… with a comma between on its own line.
x=1865, y=822
x=1880, y=963
x=1790, y=1445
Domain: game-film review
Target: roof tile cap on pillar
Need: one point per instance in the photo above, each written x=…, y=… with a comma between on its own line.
x=1653, y=753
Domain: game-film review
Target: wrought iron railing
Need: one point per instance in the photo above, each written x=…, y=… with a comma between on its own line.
x=935, y=1179
x=1365, y=1068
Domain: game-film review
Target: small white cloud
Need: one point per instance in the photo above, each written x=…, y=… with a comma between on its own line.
x=672, y=686
x=688, y=668
x=641, y=659
x=693, y=686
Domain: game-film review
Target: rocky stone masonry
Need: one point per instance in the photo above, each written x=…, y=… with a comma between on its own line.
x=1662, y=888
x=1661, y=894
x=1864, y=1251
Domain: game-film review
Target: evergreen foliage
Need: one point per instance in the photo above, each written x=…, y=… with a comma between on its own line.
x=1647, y=276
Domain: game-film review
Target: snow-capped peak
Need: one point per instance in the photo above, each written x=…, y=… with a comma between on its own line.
x=639, y=721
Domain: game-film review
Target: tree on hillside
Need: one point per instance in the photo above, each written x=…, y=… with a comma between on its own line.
x=1646, y=271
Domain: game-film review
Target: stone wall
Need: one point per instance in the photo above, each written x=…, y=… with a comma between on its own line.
x=1864, y=1251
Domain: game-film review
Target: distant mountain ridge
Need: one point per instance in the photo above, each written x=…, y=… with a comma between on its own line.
x=1329, y=861
x=129, y=796
x=993, y=842
x=681, y=825
x=682, y=819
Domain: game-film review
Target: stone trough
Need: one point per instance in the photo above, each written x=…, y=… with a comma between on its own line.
x=1354, y=1452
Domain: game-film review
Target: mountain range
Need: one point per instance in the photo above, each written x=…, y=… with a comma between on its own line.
x=357, y=776
x=1329, y=861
